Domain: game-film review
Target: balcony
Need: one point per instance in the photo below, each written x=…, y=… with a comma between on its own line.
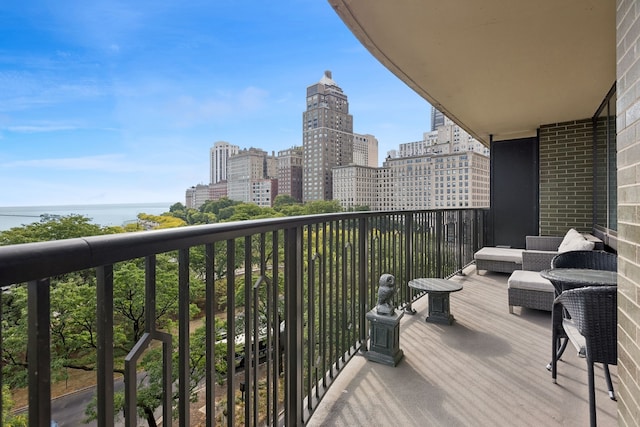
x=315, y=277
x=488, y=368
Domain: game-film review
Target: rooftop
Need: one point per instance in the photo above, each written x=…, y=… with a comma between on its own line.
x=488, y=368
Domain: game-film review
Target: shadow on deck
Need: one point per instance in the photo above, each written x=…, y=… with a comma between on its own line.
x=487, y=369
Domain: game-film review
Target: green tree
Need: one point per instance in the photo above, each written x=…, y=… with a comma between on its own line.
x=55, y=228
x=283, y=200
x=214, y=206
x=361, y=208
x=246, y=211
x=293, y=210
x=322, y=206
x=129, y=296
x=150, y=383
x=8, y=419
x=177, y=207
x=161, y=221
x=195, y=216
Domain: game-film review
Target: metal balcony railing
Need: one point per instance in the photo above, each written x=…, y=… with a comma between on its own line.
x=303, y=286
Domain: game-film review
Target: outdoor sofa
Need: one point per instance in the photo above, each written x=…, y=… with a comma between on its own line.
x=537, y=254
x=526, y=288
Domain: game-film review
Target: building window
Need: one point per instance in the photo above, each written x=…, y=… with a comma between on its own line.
x=606, y=184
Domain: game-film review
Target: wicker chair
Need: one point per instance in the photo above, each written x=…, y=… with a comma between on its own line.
x=596, y=260
x=593, y=311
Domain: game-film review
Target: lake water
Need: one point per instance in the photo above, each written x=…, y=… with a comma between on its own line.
x=104, y=215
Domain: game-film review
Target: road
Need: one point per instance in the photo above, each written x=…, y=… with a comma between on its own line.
x=68, y=410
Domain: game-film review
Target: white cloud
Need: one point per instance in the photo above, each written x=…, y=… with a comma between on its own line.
x=104, y=163
x=40, y=128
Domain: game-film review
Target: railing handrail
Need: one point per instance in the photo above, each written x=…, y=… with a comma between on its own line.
x=30, y=261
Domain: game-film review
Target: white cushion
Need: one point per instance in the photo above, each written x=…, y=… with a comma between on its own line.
x=531, y=280
x=576, y=338
x=575, y=241
x=571, y=234
x=578, y=244
x=499, y=254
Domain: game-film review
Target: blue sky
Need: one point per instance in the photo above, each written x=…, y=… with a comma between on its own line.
x=108, y=101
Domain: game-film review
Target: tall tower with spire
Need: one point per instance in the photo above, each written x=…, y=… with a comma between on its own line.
x=327, y=137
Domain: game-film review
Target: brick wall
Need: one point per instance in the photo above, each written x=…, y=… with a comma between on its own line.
x=566, y=177
x=628, y=141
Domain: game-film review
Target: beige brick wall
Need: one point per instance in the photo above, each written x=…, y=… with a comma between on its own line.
x=566, y=177
x=628, y=141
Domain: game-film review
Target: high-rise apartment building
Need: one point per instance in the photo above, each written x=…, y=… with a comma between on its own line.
x=290, y=172
x=437, y=119
x=356, y=186
x=197, y=195
x=264, y=191
x=441, y=181
x=446, y=138
x=327, y=137
x=365, y=150
x=247, y=167
x=218, y=156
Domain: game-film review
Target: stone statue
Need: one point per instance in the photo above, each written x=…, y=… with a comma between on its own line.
x=386, y=289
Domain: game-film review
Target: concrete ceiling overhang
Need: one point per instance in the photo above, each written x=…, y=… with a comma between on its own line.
x=495, y=67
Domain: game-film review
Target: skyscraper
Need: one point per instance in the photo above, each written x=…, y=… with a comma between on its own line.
x=218, y=155
x=437, y=119
x=327, y=137
x=365, y=150
x=251, y=173
x=290, y=172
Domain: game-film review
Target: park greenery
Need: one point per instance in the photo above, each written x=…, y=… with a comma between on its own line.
x=73, y=299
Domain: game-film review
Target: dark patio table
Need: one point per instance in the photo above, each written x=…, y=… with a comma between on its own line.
x=438, y=290
x=569, y=278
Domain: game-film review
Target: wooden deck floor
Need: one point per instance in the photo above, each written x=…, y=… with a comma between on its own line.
x=487, y=369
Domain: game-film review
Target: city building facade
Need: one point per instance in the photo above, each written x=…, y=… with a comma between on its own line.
x=290, y=172
x=437, y=118
x=356, y=186
x=327, y=137
x=197, y=195
x=442, y=181
x=218, y=157
x=365, y=150
x=245, y=168
x=264, y=191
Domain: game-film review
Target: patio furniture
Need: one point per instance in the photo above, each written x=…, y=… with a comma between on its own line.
x=593, y=310
x=438, y=290
x=596, y=260
x=590, y=260
x=564, y=279
x=538, y=252
x=503, y=260
x=529, y=289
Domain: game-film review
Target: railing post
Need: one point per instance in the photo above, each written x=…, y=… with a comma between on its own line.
x=460, y=239
x=408, y=248
x=183, y=338
x=439, y=242
x=231, y=327
x=210, y=369
x=1, y=365
x=293, y=326
x=104, y=326
x=363, y=274
x=39, y=353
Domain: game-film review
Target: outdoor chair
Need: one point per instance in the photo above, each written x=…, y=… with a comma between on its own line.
x=595, y=260
x=593, y=311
